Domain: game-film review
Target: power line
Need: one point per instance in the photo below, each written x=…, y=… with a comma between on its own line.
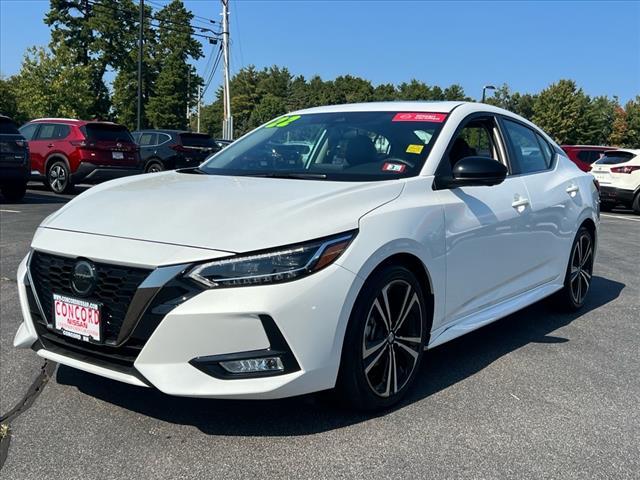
x=216, y=64
x=203, y=19
x=179, y=26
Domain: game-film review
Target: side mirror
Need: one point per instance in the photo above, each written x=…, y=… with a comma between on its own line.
x=483, y=171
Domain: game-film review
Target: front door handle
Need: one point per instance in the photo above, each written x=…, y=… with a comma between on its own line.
x=520, y=203
x=572, y=190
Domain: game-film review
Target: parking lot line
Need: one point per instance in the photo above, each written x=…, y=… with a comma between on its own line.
x=620, y=217
x=9, y=211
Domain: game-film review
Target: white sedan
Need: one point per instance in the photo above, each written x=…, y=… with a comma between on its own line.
x=265, y=273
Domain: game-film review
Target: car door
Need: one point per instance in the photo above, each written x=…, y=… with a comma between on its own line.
x=147, y=142
x=40, y=146
x=487, y=227
x=554, y=194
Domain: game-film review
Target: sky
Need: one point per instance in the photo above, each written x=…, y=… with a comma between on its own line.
x=527, y=45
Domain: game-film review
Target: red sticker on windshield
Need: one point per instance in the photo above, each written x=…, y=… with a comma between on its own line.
x=419, y=117
x=393, y=167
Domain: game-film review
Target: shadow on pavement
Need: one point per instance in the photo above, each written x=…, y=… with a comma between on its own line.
x=443, y=366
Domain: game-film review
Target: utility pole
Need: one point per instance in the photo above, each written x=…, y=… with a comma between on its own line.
x=140, y=43
x=188, y=94
x=199, y=102
x=227, y=122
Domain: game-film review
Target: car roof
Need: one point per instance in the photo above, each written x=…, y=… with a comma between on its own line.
x=167, y=130
x=399, y=106
x=72, y=121
x=589, y=147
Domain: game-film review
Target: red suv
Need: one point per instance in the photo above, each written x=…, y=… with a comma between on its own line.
x=584, y=155
x=66, y=152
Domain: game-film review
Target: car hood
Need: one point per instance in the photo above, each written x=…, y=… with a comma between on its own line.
x=234, y=214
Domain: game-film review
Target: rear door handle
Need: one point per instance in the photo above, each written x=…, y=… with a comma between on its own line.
x=520, y=202
x=573, y=189
x=50, y=145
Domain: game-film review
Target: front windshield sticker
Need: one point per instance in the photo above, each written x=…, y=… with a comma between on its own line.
x=394, y=167
x=419, y=117
x=415, y=148
x=283, y=121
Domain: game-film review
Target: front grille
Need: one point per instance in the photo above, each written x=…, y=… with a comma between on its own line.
x=115, y=288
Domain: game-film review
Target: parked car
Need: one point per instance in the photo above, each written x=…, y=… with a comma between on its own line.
x=171, y=149
x=14, y=161
x=618, y=172
x=584, y=155
x=260, y=275
x=66, y=152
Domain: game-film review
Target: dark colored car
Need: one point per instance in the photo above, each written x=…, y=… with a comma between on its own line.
x=66, y=152
x=171, y=149
x=584, y=155
x=14, y=161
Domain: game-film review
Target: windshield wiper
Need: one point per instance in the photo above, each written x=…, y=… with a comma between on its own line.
x=301, y=176
x=192, y=170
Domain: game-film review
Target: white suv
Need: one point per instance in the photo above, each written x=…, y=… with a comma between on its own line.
x=618, y=172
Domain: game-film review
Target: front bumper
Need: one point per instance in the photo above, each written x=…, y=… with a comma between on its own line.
x=91, y=173
x=310, y=314
x=615, y=196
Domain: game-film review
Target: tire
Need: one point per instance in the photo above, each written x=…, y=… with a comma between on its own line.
x=379, y=364
x=14, y=192
x=636, y=204
x=577, y=281
x=58, y=178
x=154, y=167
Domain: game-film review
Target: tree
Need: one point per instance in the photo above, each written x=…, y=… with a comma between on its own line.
x=54, y=86
x=560, y=110
x=125, y=86
x=95, y=36
x=632, y=110
x=177, y=81
x=598, y=120
x=385, y=92
x=8, y=100
x=619, y=128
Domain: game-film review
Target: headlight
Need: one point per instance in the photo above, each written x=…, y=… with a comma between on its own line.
x=274, y=266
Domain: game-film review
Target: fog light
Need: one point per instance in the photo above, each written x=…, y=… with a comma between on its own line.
x=253, y=365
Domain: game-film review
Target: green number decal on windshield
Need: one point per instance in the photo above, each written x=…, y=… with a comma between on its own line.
x=282, y=122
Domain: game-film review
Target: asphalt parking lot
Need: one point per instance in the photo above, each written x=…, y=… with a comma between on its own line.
x=535, y=395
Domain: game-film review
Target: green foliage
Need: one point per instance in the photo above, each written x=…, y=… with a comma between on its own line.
x=560, y=110
x=632, y=109
x=176, y=83
x=54, y=86
x=8, y=100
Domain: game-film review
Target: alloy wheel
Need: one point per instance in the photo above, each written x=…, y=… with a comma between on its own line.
x=154, y=168
x=58, y=178
x=392, y=338
x=581, y=268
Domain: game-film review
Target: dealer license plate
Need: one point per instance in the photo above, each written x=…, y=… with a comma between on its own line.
x=76, y=318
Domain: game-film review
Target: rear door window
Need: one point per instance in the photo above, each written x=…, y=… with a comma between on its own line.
x=46, y=131
x=147, y=139
x=7, y=127
x=527, y=149
x=104, y=132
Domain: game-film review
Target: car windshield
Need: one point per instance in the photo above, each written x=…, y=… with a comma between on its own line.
x=105, y=132
x=348, y=146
